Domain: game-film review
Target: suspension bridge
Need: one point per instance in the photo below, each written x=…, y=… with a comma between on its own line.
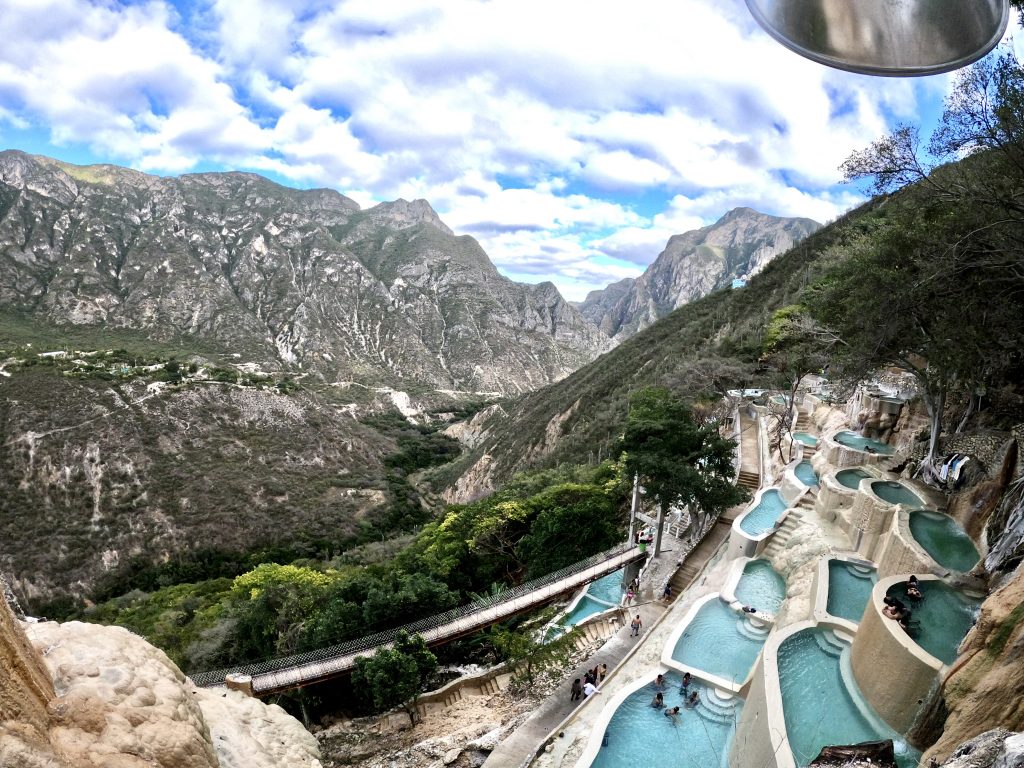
x=289, y=672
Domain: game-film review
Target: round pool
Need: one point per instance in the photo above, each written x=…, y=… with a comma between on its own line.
x=721, y=642
x=941, y=537
x=866, y=444
x=762, y=517
x=805, y=474
x=941, y=619
x=849, y=589
x=895, y=493
x=639, y=734
x=761, y=587
x=850, y=478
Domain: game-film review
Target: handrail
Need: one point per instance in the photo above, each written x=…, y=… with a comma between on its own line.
x=426, y=625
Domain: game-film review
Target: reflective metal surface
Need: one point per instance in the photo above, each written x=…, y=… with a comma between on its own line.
x=886, y=37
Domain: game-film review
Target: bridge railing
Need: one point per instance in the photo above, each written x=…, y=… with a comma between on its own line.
x=422, y=626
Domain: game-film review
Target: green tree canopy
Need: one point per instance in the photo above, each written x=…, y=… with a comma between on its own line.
x=395, y=676
x=679, y=461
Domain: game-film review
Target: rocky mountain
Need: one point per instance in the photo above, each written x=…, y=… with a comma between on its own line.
x=692, y=265
x=291, y=279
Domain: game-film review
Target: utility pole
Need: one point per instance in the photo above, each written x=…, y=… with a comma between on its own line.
x=634, y=506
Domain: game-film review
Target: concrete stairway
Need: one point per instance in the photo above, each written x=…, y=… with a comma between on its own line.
x=780, y=539
x=749, y=480
x=595, y=632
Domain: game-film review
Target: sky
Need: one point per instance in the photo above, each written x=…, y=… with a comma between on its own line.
x=572, y=138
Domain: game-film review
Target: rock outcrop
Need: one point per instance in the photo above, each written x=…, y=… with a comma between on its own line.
x=694, y=264
x=985, y=688
x=86, y=696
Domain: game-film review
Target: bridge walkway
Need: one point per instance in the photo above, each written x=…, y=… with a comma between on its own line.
x=276, y=675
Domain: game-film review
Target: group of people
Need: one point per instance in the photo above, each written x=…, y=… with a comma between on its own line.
x=899, y=611
x=591, y=680
x=690, y=698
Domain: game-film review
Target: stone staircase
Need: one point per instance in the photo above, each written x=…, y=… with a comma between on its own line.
x=486, y=687
x=780, y=539
x=749, y=480
x=594, y=632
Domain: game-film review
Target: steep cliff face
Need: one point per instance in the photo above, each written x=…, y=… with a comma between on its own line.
x=290, y=278
x=693, y=265
x=86, y=696
x=985, y=688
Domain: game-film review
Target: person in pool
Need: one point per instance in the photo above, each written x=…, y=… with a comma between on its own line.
x=658, y=701
x=672, y=713
x=686, y=683
x=659, y=683
x=894, y=607
x=693, y=700
x=914, y=588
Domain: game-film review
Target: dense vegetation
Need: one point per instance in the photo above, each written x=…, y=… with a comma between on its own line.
x=537, y=524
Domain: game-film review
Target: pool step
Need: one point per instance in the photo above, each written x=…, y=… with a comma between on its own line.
x=751, y=630
x=716, y=707
x=830, y=643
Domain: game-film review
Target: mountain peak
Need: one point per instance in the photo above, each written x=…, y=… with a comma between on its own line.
x=402, y=213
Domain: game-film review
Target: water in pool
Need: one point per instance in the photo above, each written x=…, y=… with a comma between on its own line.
x=853, y=440
x=762, y=517
x=818, y=708
x=761, y=587
x=607, y=588
x=805, y=474
x=806, y=439
x=638, y=734
x=941, y=537
x=850, y=478
x=941, y=620
x=894, y=493
x=849, y=589
x=586, y=607
x=720, y=641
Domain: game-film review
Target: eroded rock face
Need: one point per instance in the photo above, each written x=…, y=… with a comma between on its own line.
x=25, y=687
x=121, y=703
x=986, y=686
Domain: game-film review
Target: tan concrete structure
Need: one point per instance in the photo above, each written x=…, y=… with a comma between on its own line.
x=901, y=554
x=25, y=684
x=896, y=675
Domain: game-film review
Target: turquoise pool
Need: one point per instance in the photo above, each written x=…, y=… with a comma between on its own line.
x=805, y=474
x=805, y=438
x=849, y=589
x=761, y=587
x=607, y=588
x=850, y=478
x=855, y=441
x=818, y=707
x=941, y=537
x=895, y=493
x=721, y=642
x=762, y=517
x=638, y=734
x=941, y=620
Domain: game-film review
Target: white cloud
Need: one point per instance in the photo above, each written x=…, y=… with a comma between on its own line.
x=541, y=128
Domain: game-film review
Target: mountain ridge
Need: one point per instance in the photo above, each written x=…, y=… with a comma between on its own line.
x=692, y=265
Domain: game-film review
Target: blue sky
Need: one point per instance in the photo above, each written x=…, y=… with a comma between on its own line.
x=571, y=138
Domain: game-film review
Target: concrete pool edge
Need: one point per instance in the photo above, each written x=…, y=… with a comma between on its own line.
x=821, y=586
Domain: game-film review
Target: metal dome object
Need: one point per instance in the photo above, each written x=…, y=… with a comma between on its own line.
x=886, y=37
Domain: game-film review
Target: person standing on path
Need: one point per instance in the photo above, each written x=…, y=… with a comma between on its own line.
x=589, y=689
x=636, y=625
x=602, y=673
x=576, y=691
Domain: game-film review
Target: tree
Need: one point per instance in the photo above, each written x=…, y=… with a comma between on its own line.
x=679, y=462
x=529, y=656
x=395, y=676
x=572, y=522
x=794, y=345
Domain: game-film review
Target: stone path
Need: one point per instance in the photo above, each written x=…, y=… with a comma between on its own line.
x=520, y=747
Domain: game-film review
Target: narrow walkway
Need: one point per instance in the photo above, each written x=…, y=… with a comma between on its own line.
x=750, y=453
x=519, y=748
